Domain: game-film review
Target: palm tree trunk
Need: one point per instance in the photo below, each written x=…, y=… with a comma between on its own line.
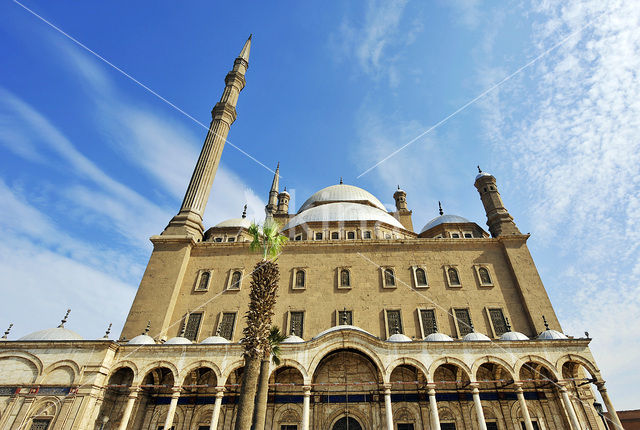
x=260, y=411
x=247, y=392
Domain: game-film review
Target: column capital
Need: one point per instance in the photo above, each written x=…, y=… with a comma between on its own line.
x=600, y=385
x=518, y=387
x=386, y=388
x=475, y=387
x=134, y=390
x=220, y=391
x=307, y=390
x=175, y=391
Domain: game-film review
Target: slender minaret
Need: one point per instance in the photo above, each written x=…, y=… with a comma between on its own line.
x=499, y=220
x=189, y=220
x=272, y=206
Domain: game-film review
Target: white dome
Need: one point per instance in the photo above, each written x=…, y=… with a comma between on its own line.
x=551, y=335
x=293, y=339
x=178, y=340
x=398, y=337
x=474, y=336
x=234, y=222
x=341, y=327
x=481, y=174
x=342, y=212
x=513, y=335
x=214, y=340
x=438, y=337
x=444, y=219
x=58, y=333
x=341, y=193
x=142, y=339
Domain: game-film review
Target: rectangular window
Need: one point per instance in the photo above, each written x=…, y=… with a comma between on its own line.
x=345, y=318
x=367, y=235
x=318, y=236
x=227, y=324
x=428, y=319
x=447, y=426
x=288, y=427
x=498, y=321
x=351, y=235
x=231, y=239
x=296, y=323
x=394, y=322
x=455, y=235
x=534, y=423
x=193, y=326
x=468, y=235
x=405, y=426
x=463, y=320
x=335, y=235
x=40, y=424
x=492, y=425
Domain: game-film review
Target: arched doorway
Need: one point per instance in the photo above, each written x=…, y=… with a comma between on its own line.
x=347, y=423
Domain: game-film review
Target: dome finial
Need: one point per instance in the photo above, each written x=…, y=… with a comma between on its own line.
x=435, y=326
x=147, y=328
x=184, y=325
x=398, y=186
x=218, y=331
x=64, y=320
x=546, y=324
x=293, y=328
x=473, y=329
x=440, y=208
x=479, y=169
x=340, y=180
x=106, y=333
x=244, y=212
x=506, y=320
x=6, y=333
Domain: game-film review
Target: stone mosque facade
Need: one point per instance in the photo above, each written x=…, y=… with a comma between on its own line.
x=388, y=327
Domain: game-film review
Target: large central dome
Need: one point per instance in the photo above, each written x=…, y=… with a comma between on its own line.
x=342, y=193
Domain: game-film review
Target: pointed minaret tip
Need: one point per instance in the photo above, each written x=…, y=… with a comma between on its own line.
x=246, y=49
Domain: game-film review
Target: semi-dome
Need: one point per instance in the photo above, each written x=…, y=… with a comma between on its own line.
x=234, y=223
x=444, y=219
x=214, y=340
x=551, y=335
x=57, y=333
x=341, y=193
x=342, y=211
x=513, y=335
x=399, y=337
x=178, y=340
x=292, y=338
x=474, y=336
x=341, y=327
x=438, y=337
x=142, y=339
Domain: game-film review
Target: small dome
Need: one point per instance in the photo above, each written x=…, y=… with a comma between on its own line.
x=284, y=192
x=341, y=327
x=293, y=339
x=142, y=339
x=398, y=337
x=438, y=337
x=482, y=174
x=234, y=223
x=342, y=212
x=551, y=335
x=513, y=335
x=178, y=340
x=341, y=193
x=58, y=333
x=474, y=336
x=214, y=340
x=444, y=219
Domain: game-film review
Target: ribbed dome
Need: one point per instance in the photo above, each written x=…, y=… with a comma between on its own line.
x=444, y=219
x=342, y=212
x=399, y=337
x=551, y=335
x=234, y=222
x=58, y=333
x=474, y=336
x=142, y=339
x=214, y=340
x=341, y=193
x=438, y=337
x=341, y=327
x=178, y=340
x=513, y=335
x=292, y=338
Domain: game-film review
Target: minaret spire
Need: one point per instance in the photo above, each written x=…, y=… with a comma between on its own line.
x=273, y=193
x=189, y=220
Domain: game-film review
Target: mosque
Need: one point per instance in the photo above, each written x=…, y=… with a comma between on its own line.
x=389, y=327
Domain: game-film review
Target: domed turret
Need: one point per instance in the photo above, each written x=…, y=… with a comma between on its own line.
x=144, y=338
x=57, y=333
x=549, y=334
x=512, y=335
x=399, y=337
x=437, y=336
x=474, y=336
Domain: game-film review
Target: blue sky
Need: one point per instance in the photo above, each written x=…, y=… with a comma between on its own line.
x=92, y=164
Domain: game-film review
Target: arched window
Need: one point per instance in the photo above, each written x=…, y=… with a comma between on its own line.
x=421, y=277
x=485, y=278
x=453, y=276
x=204, y=281
x=235, y=280
x=389, y=278
x=351, y=235
x=345, y=280
x=300, y=275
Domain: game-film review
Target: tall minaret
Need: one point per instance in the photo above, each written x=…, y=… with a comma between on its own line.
x=189, y=220
x=272, y=206
x=499, y=220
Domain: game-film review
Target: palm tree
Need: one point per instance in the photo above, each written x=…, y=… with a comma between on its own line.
x=276, y=337
x=262, y=299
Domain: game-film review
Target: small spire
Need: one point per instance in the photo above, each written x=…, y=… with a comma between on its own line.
x=293, y=328
x=64, y=320
x=435, y=326
x=244, y=54
x=507, y=322
x=6, y=333
x=184, y=325
x=340, y=180
x=440, y=208
x=146, y=330
x=275, y=185
x=479, y=169
x=546, y=324
x=244, y=212
x=106, y=333
x=398, y=187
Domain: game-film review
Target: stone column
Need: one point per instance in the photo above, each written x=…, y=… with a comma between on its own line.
x=569, y=407
x=482, y=425
x=215, y=415
x=175, y=396
x=306, y=406
x=607, y=402
x=22, y=412
x=388, y=411
x=523, y=407
x=433, y=406
x=131, y=401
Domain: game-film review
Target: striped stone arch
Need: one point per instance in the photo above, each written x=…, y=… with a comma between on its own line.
x=493, y=360
x=448, y=360
x=537, y=360
x=184, y=372
x=157, y=365
x=404, y=361
x=121, y=365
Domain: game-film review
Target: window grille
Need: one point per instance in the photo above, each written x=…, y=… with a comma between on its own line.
x=227, y=323
x=534, y=423
x=428, y=317
x=394, y=322
x=447, y=426
x=40, y=424
x=421, y=277
x=287, y=427
x=492, y=425
x=193, y=325
x=485, y=279
x=405, y=426
x=204, y=280
x=389, y=278
x=296, y=323
x=498, y=321
x=464, y=321
x=236, y=277
x=454, y=279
